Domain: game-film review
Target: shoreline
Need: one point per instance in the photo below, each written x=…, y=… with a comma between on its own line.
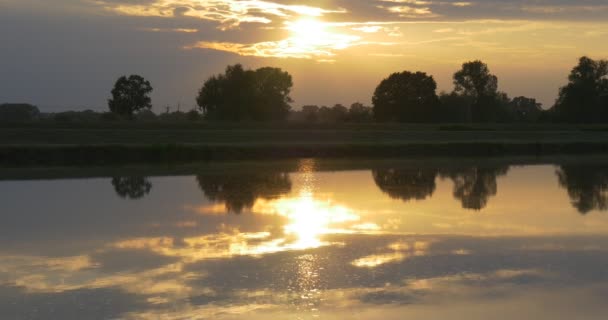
x=114, y=154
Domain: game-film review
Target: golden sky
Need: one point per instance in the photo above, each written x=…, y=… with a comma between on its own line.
x=350, y=45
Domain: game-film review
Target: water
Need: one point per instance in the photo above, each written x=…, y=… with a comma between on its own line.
x=307, y=240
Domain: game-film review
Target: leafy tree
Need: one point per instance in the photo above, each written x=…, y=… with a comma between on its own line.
x=130, y=95
x=475, y=82
x=406, y=97
x=131, y=187
x=339, y=113
x=455, y=107
x=18, y=112
x=360, y=113
x=272, y=88
x=525, y=109
x=241, y=94
x=584, y=98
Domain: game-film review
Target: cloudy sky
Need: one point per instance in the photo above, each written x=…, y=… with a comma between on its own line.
x=66, y=54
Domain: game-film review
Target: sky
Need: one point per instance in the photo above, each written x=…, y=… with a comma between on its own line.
x=67, y=54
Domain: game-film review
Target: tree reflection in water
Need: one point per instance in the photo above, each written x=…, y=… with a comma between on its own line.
x=240, y=191
x=587, y=186
x=473, y=185
x=406, y=184
x=131, y=187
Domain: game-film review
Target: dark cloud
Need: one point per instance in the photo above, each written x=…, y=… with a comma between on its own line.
x=104, y=303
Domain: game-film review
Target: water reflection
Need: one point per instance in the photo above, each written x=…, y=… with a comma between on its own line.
x=587, y=186
x=131, y=187
x=406, y=183
x=240, y=191
x=474, y=185
x=312, y=244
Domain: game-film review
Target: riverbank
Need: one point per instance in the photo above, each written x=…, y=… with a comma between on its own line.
x=110, y=145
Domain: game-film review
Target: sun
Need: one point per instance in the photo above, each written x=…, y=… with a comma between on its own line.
x=307, y=28
x=307, y=33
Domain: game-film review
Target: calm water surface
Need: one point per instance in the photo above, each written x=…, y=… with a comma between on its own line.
x=415, y=240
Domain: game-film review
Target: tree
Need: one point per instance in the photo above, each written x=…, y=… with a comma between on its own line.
x=583, y=99
x=360, y=113
x=130, y=95
x=18, y=112
x=455, y=107
x=525, y=109
x=131, y=187
x=475, y=81
x=241, y=94
x=339, y=113
x=272, y=88
x=406, y=97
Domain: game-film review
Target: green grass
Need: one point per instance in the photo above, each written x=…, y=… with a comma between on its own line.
x=133, y=142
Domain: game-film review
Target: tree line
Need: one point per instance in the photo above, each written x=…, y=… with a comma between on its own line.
x=263, y=94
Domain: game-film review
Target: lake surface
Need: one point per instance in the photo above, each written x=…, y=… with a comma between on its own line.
x=475, y=239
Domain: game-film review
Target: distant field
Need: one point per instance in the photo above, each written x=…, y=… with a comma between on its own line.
x=257, y=134
x=101, y=143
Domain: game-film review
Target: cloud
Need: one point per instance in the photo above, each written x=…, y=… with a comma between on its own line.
x=228, y=13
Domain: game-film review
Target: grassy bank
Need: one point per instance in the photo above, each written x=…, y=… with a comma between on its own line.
x=77, y=144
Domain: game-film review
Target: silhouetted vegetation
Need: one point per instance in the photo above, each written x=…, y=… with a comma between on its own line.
x=131, y=187
x=587, y=186
x=406, y=97
x=411, y=97
x=246, y=95
x=357, y=113
x=474, y=185
x=240, y=191
x=240, y=94
x=130, y=95
x=475, y=82
x=585, y=97
x=524, y=109
x=406, y=183
x=18, y=112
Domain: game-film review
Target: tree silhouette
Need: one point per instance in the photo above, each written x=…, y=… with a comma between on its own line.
x=474, y=185
x=406, y=97
x=130, y=95
x=583, y=99
x=131, y=187
x=18, y=112
x=241, y=94
x=240, y=191
x=475, y=82
x=407, y=183
x=525, y=109
x=360, y=113
x=587, y=186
